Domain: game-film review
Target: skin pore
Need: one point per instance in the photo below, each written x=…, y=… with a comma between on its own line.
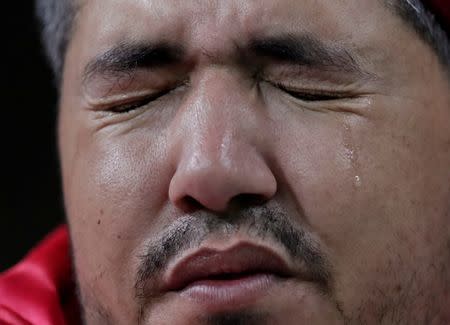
x=316, y=129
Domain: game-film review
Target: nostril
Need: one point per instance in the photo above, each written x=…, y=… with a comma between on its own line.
x=248, y=200
x=189, y=204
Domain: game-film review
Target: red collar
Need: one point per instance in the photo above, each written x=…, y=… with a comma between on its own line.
x=40, y=289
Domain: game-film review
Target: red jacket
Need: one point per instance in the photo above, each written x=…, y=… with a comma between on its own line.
x=40, y=290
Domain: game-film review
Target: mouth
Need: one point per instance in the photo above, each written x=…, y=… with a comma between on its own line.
x=233, y=277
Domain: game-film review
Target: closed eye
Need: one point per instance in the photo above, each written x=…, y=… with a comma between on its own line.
x=138, y=103
x=313, y=95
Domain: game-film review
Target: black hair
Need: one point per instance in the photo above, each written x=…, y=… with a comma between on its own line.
x=57, y=18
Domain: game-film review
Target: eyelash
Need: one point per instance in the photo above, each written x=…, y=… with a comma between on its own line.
x=128, y=107
x=311, y=96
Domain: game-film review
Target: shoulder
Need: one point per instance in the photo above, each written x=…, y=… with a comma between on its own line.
x=32, y=292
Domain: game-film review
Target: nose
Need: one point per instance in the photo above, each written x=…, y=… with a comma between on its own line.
x=221, y=148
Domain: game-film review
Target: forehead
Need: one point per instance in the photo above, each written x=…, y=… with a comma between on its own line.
x=214, y=23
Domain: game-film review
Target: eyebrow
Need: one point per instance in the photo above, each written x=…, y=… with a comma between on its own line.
x=127, y=57
x=304, y=50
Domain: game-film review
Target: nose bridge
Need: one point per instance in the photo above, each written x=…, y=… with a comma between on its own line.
x=213, y=115
x=218, y=157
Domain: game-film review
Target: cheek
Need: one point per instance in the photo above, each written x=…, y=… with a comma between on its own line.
x=330, y=168
x=319, y=157
x=371, y=193
x=114, y=188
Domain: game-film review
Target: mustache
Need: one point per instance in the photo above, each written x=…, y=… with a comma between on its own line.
x=263, y=222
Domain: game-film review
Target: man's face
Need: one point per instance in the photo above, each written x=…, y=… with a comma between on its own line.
x=255, y=162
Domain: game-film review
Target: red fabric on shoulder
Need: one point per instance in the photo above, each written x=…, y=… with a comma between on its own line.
x=39, y=289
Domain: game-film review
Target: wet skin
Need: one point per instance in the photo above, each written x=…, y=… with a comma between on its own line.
x=311, y=135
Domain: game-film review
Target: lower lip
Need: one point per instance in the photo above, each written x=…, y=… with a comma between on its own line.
x=227, y=294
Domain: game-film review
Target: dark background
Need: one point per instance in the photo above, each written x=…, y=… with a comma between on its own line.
x=31, y=200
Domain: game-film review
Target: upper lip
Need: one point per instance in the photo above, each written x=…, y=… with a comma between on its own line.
x=244, y=258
